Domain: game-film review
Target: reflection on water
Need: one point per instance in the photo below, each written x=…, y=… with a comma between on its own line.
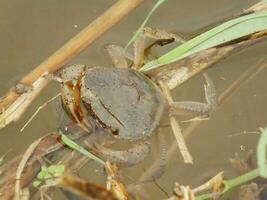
x=31, y=30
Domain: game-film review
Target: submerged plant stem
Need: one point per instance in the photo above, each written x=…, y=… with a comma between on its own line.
x=230, y=184
x=241, y=179
x=261, y=154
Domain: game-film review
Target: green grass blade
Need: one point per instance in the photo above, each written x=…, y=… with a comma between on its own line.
x=225, y=32
x=261, y=154
x=71, y=144
x=231, y=184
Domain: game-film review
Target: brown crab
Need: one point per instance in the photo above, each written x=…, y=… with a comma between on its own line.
x=124, y=101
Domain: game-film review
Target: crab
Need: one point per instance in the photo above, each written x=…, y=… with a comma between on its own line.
x=125, y=102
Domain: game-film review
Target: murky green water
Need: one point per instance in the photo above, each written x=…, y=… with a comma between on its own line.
x=31, y=30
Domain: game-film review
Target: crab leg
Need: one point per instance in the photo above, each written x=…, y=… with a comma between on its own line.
x=159, y=34
x=197, y=108
x=129, y=157
x=139, y=44
x=117, y=55
x=161, y=168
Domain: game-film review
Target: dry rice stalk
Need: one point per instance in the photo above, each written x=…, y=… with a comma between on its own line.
x=21, y=166
x=176, y=128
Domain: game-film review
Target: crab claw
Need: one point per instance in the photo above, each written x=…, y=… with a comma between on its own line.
x=71, y=101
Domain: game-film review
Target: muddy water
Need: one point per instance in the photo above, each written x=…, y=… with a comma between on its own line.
x=31, y=30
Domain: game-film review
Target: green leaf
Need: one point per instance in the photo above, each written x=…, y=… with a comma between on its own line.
x=233, y=29
x=233, y=183
x=43, y=173
x=36, y=183
x=71, y=144
x=48, y=174
x=56, y=170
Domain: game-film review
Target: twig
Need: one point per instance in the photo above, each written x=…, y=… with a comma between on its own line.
x=176, y=128
x=72, y=48
x=16, y=109
x=38, y=110
x=21, y=166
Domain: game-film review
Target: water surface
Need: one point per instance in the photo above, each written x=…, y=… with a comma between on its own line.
x=31, y=30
